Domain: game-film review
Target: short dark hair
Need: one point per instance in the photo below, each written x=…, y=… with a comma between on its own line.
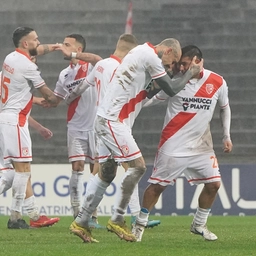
x=19, y=33
x=129, y=38
x=79, y=38
x=191, y=51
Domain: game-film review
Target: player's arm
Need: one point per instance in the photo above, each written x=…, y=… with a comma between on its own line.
x=77, y=91
x=51, y=99
x=82, y=87
x=225, y=117
x=46, y=48
x=85, y=56
x=158, y=98
x=43, y=131
x=172, y=86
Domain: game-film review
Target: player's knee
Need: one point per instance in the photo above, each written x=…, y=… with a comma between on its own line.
x=141, y=169
x=78, y=166
x=213, y=187
x=108, y=170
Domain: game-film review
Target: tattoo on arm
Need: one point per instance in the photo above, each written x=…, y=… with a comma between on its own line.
x=46, y=48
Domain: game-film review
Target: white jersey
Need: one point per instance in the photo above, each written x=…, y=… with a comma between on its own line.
x=18, y=74
x=127, y=87
x=102, y=74
x=186, y=130
x=82, y=111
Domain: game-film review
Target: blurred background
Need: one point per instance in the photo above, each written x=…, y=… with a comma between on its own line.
x=225, y=31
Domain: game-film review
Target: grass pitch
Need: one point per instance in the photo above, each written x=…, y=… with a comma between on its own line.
x=236, y=237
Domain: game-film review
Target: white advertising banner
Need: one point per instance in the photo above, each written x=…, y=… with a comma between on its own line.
x=51, y=188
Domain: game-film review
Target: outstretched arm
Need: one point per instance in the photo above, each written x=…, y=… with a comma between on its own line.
x=46, y=48
x=85, y=56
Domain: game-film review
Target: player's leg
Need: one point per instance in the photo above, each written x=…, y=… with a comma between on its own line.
x=134, y=205
x=89, y=149
x=205, y=202
x=6, y=179
x=16, y=142
x=76, y=186
x=77, y=147
x=93, y=223
x=136, y=169
x=31, y=208
x=19, y=185
x=95, y=190
x=166, y=169
x=93, y=197
x=118, y=139
x=205, y=169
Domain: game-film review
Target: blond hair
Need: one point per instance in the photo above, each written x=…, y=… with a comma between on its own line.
x=126, y=42
x=174, y=44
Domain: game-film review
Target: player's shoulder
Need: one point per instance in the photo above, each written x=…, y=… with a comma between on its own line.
x=215, y=77
x=108, y=63
x=210, y=72
x=17, y=58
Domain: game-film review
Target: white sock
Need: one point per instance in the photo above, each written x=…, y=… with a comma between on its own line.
x=19, y=186
x=142, y=219
x=6, y=180
x=131, y=177
x=76, y=190
x=134, y=203
x=89, y=182
x=31, y=208
x=93, y=197
x=201, y=216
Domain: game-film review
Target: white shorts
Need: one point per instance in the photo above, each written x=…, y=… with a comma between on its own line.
x=81, y=146
x=197, y=169
x=4, y=167
x=117, y=139
x=102, y=152
x=15, y=143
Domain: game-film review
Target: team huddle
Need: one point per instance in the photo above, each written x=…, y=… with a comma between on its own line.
x=104, y=97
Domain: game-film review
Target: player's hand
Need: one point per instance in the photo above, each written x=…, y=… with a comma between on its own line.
x=38, y=100
x=45, y=104
x=56, y=46
x=65, y=51
x=45, y=133
x=196, y=66
x=227, y=145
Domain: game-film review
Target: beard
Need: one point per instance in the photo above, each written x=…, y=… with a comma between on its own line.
x=33, y=52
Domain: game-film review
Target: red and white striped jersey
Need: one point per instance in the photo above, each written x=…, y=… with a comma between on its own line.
x=19, y=73
x=186, y=129
x=82, y=111
x=127, y=87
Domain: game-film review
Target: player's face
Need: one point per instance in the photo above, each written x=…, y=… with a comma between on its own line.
x=72, y=45
x=184, y=64
x=170, y=58
x=32, y=43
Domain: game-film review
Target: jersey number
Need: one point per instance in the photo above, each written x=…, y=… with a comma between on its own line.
x=4, y=89
x=215, y=162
